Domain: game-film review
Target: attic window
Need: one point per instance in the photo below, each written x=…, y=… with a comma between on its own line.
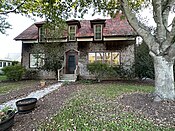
x=98, y=32
x=72, y=32
x=41, y=33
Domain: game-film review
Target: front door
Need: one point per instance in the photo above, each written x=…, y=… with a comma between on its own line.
x=71, y=64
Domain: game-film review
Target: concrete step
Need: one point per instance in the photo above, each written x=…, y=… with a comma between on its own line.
x=68, y=77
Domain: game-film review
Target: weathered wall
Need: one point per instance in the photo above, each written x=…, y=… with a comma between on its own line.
x=26, y=50
x=126, y=50
x=83, y=59
x=126, y=54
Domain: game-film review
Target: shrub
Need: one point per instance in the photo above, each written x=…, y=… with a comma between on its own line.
x=123, y=72
x=144, y=66
x=14, y=72
x=15, y=62
x=31, y=74
x=99, y=70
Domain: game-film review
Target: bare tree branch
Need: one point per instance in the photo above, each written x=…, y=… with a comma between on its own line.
x=171, y=35
x=161, y=30
x=139, y=27
x=12, y=11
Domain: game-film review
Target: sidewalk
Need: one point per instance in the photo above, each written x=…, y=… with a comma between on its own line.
x=36, y=94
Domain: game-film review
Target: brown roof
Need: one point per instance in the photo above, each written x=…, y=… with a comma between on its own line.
x=113, y=27
x=31, y=33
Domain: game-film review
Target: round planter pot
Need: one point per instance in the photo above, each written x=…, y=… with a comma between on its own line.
x=26, y=105
x=6, y=124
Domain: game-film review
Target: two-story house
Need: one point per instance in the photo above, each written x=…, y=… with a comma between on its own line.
x=110, y=41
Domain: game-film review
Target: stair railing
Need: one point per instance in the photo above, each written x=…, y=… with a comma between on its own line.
x=60, y=72
x=76, y=72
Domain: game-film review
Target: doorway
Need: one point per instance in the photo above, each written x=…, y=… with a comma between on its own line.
x=71, y=64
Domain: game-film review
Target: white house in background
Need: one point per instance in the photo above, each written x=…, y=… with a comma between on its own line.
x=7, y=61
x=4, y=63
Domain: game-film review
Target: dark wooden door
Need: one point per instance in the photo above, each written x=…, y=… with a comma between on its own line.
x=71, y=64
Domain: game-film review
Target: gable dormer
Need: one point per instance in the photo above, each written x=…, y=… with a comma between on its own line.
x=73, y=26
x=97, y=26
x=41, y=31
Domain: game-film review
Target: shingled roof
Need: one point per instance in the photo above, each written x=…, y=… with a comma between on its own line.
x=31, y=33
x=113, y=27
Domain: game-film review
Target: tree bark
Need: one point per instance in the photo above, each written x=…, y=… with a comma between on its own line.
x=164, y=79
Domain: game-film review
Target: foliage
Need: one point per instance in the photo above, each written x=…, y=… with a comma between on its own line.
x=95, y=108
x=4, y=25
x=144, y=66
x=3, y=77
x=124, y=72
x=15, y=62
x=14, y=72
x=31, y=74
x=4, y=113
x=99, y=70
x=52, y=10
x=54, y=55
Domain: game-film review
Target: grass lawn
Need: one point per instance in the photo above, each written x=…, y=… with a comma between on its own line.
x=9, y=86
x=95, y=108
x=3, y=77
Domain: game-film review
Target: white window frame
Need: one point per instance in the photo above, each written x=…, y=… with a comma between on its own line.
x=4, y=64
x=1, y=65
x=95, y=36
x=74, y=32
x=33, y=61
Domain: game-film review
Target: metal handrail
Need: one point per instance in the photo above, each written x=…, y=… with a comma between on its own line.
x=60, y=72
x=76, y=71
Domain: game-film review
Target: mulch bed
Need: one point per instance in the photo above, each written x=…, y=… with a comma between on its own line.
x=159, y=112
x=162, y=113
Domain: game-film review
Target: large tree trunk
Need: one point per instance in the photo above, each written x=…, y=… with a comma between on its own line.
x=164, y=79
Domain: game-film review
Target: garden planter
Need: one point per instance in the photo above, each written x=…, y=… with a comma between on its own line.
x=26, y=105
x=6, y=124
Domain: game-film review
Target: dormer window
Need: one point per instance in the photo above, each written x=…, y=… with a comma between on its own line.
x=72, y=32
x=98, y=32
x=97, y=26
x=41, y=34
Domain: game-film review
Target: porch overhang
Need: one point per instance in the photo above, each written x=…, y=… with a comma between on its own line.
x=118, y=38
x=108, y=38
